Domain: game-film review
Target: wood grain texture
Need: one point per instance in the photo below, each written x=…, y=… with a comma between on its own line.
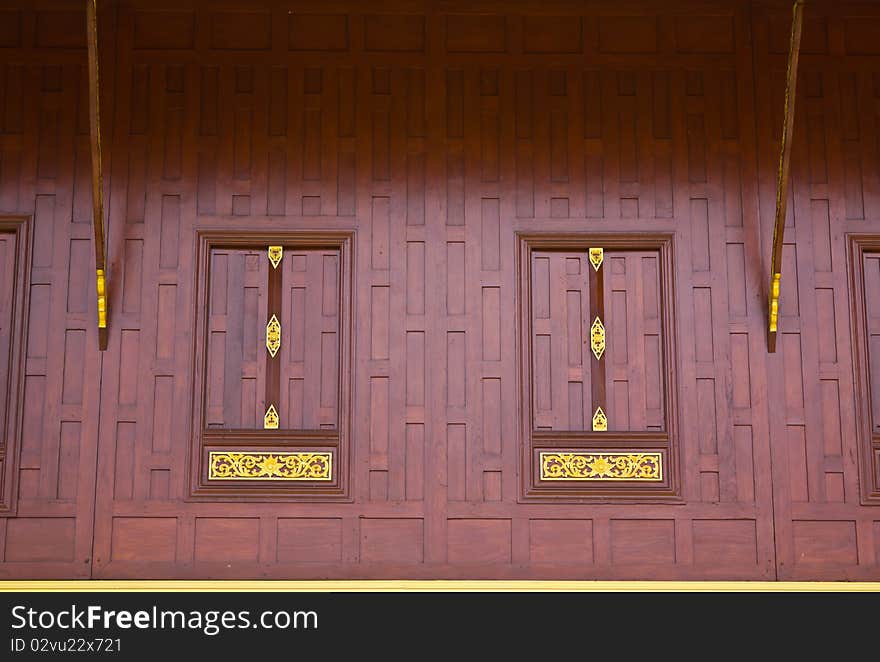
x=431, y=133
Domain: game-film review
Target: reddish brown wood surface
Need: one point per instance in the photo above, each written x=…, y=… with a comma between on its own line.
x=435, y=132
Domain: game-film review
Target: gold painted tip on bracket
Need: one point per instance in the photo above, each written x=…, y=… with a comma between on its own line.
x=273, y=336
x=600, y=421
x=102, y=299
x=270, y=420
x=275, y=255
x=597, y=338
x=774, y=302
x=596, y=257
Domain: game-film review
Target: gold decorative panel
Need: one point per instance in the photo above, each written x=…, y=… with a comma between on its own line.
x=244, y=465
x=597, y=338
x=270, y=420
x=600, y=421
x=596, y=257
x=275, y=255
x=273, y=336
x=597, y=465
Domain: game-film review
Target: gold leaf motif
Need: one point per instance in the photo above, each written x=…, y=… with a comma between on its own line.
x=596, y=257
x=241, y=465
x=600, y=421
x=597, y=338
x=270, y=420
x=275, y=255
x=273, y=336
x=591, y=465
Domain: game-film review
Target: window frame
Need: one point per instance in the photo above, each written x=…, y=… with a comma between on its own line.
x=868, y=448
x=204, y=440
x=533, y=442
x=10, y=442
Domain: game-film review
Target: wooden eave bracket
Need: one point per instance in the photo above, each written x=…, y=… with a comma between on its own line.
x=782, y=174
x=97, y=178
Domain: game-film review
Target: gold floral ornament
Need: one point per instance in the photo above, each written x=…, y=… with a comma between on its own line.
x=596, y=257
x=275, y=255
x=273, y=336
x=601, y=466
x=269, y=466
x=597, y=338
x=270, y=420
x=600, y=421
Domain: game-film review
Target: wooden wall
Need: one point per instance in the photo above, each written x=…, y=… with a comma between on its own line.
x=436, y=131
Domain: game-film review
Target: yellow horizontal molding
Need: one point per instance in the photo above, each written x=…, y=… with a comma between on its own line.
x=434, y=585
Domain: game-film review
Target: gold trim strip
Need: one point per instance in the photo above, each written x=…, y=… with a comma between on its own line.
x=429, y=585
x=243, y=465
x=602, y=466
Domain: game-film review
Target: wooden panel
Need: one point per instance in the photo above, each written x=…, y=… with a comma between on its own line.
x=53, y=29
x=392, y=540
x=560, y=541
x=240, y=31
x=10, y=32
x=643, y=541
x=552, y=34
x=236, y=339
x=627, y=34
x=479, y=541
x=310, y=340
x=704, y=34
x=303, y=540
x=466, y=33
x=40, y=539
x=317, y=32
x=824, y=542
x=724, y=544
x=562, y=363
x=227, y=539
x=634, y=342
x=144, y=539
x=164, y=30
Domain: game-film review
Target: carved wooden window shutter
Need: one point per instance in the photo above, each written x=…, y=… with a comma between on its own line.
x=274, y=376
x=597, y=356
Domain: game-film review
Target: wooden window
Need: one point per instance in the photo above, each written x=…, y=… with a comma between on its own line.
x=273, y=365
x=13, y=268
x=865, y=288
x=597, y=360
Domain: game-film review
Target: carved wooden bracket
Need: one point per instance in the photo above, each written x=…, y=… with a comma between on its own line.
x=97, y=179
x=783, y=172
